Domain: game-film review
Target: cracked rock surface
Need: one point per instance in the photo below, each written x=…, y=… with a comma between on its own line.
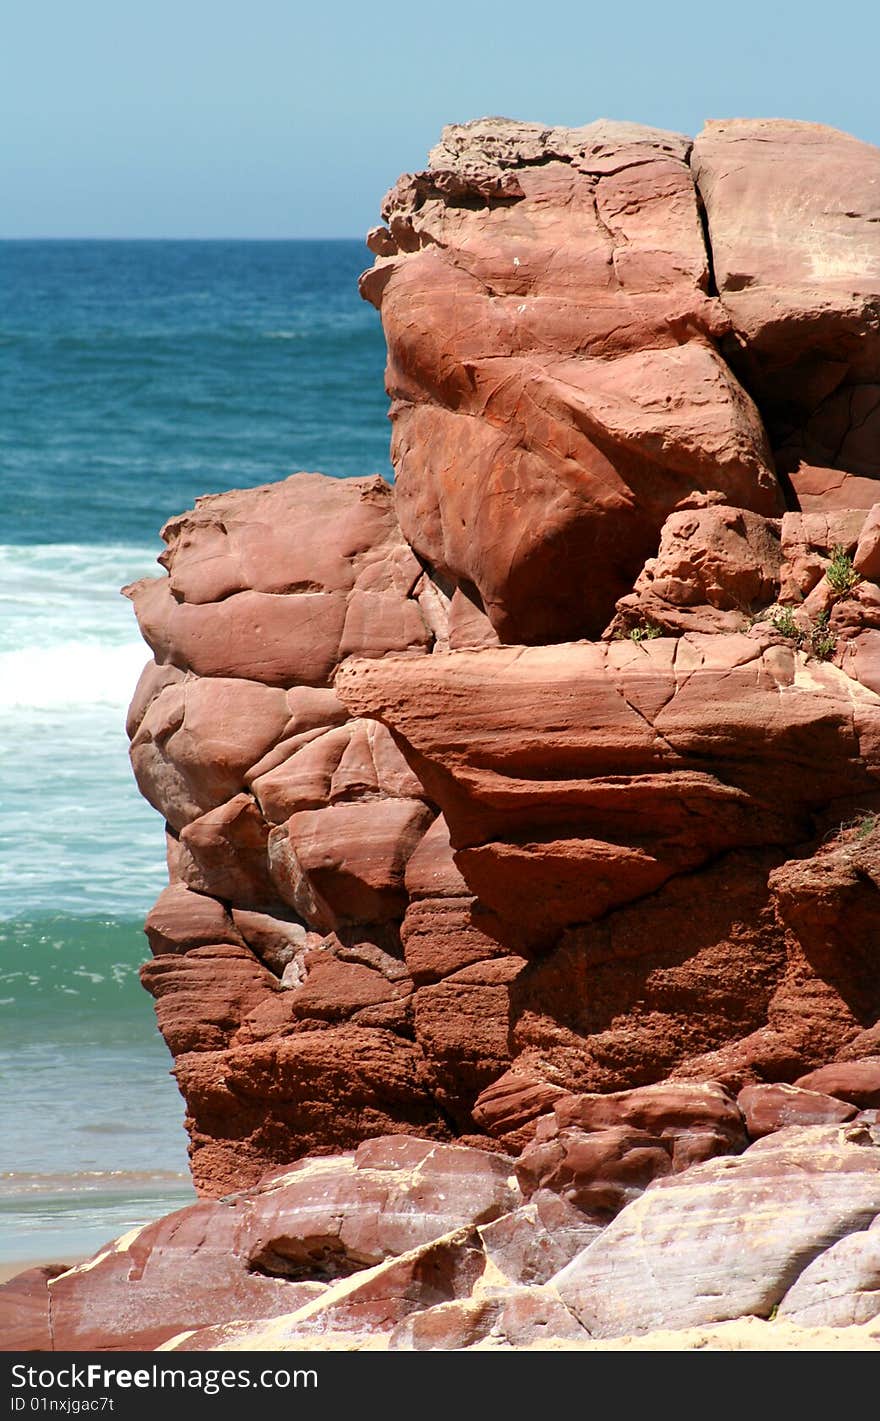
x=519, y=954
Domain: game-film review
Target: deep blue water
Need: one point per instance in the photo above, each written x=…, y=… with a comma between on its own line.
x=134, y=376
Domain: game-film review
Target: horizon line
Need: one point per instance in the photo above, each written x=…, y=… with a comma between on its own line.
x=38, y=237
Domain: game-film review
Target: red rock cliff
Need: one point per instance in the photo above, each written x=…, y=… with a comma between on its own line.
x=556, y=768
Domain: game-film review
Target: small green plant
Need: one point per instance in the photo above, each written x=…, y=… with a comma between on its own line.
x=646, y=632
x=817, y=638
x=840, y=573
x=782, y=619
x=820, y=640
x=859, y=828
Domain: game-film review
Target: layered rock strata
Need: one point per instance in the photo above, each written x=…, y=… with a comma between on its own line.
x=627, y=1232
x=425, y=878
x=523, y=821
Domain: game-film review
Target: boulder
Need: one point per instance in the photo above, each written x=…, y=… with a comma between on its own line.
x=651, y=759
x=346, y=863
x=276, y=1249
x=599, y=1171
x=535, y=1241
x=791, y=210
x=715, y=567
x=544, y=299
x=197, y=739
x=726, y=1238
x=857, y=1082
x=506, y=1317
x=841, y=1287
x=186, y=1270
x=559, y=896
x=371, y=1302
x=767, y=1108
x=24, y=1310
x=181, y=919
x=327, y=1218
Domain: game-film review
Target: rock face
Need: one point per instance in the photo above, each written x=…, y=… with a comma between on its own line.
x=414, y=1246
x=269, y=1252
x=406, y=860
x=719, y=1242
x=534, y=803
x=545, y=298
x=792, y=212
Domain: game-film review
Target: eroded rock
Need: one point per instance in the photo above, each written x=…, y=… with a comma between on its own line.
x=726, y=1238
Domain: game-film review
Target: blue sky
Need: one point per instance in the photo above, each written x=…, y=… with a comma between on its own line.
x=278, y=118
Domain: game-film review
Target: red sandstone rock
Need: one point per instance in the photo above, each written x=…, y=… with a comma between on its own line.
x=683, y=982
x=692, y=1122
x=509, y=1106
x=198, y=737
x=276, y=941
x=334, y=990
x=839, y=1288
x=830, y=901
x=599, y=1172
x=268, y=1102
x=600, y=1151
x=564, y=399
x=431, y=871
x=185, y=1270
x=857, y=1082
x=358, y=760
x=442, y=936
x=346, y=863
x=538, y=1239
x=543, y=316
x=461, y=1024
x=272, y=1251
x=203, y=995
x=792, y=211
x=866, y=559
x=767, y=1108
x=372, y=1301
x=808, y=540
x=714, y=567
x=344, y=536
x=253, y=635
x=468, y=624
x=153, y=679
x=536, y=1315
x=180, y=919
x=513, y=1317
x=818, y=490
x=446, y=1327
x=617, y=794
x=24, y=1310
x=278, y=584
x=225, y=854
x=726, y=1238
x=328, y=1218
x=303, y=775
x=312, y=708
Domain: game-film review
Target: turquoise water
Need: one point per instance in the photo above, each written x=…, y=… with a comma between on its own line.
x=134, y=376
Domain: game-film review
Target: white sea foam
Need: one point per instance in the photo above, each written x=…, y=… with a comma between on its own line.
x=73, y=830
x=75, y=673
x=67, y=637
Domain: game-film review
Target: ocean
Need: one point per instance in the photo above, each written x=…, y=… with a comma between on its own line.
x=134, y=376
